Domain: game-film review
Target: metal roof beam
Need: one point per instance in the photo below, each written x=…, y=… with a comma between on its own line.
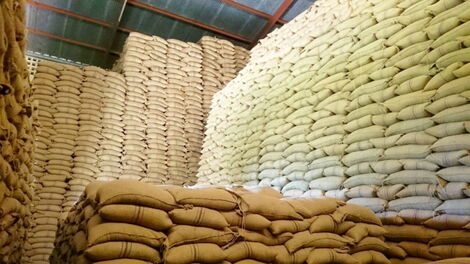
x=275, y=17
x=251, y=10
x=72, y=41
x=189, y=21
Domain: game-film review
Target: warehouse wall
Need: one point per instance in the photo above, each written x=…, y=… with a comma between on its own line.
x=16, y=138
x=370, y=105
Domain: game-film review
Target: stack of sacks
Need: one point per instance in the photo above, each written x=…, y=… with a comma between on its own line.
x=133, y=222
x=211, y=70
x=242, y=56
x=85, y=156
x=193, y=125
x=17, y=135
x=112, y=127
x=134, y=145
x=227, y=62
x=176, y=112
x=66, y=145
x=157, y=165
x=50, y=190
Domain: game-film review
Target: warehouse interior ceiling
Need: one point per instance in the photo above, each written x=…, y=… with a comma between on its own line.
x=94, y=31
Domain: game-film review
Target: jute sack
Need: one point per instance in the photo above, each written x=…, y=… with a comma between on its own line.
x=446, y=221
x=108, y=232
x=250, y=250
x=371, y=256
x=318, y=240
x=357, y=214
x=184, y=234
x=116, y=250
x=312, y=207
x=453, y=261
x=219, y=199
x=138, y=215
x=194, y=253
x=298, y=257
x=326, y=223
x=328, y=255
x=418, y=250
x=390, y=218
x=291, y=226
x=198, y=216
x=264, y=237
x=416, y=233
x=451, y=237
x=451, y=251
x=269, y=207
x=122, y=261
x=135, y=193
x=360, y=231
x=254, y=222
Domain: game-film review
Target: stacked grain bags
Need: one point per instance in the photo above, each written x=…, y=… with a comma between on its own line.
x=134, y=145
x=50, y=188
x=242, y=56
x=169, y=224
x=157, y=106
x=193, y=125
x=17, y=135
x=112, y=127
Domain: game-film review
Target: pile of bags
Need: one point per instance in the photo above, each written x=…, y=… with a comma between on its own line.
x=16, y=134
x=134, y=222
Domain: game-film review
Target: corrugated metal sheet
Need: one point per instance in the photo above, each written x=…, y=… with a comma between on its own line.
x=211, y=12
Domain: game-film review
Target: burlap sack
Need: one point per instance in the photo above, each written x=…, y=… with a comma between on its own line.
x=418, y=250
x=194, y=253
x=269, y=207
x=360, y=231
x=298, y=257
x=219, y=199
x=317, y=240
x=291, y=226
x=117, y=250
x=135, y=193
x=249, y=221
x=250, y=250
x=312, y=207
x=451, y=237
x=143, y=216
x=264, y=237
x=328, y=255
x=410, y=233
x=184, y=234
x=356, y=213
x=133, y=233
x=371, y=256
x=198, y=216
x=371, y=243
x=450, y=251
x=445, y=222
x=326, y=223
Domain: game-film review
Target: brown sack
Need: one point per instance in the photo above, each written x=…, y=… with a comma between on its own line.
x=318, y=240
x=283, y=256
x=360, y=231
x=390, y=218
x=269, y=207
x=139, y=215
x=135, y=193
x=328, y=256
x=410, y=260
x=117, y=250
x=312, y=207
x=250, y=250
x=409, y=233
x=452, y=261
x=395, y=251
x=451, y=251
x=451, y=237
x=326, y=223
x=264, y=237
x=184, y=234
x=194, y=253
x=108, y=232
x=123, y=261
x=198, y=216
x=417, y=250
x=371, y=243
x=356, y=213
x=214, y=198
x=254, y=222
x=370, y=257
x=446, y=222
x=292, y=226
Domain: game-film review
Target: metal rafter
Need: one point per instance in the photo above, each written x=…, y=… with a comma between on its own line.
x=275, y=17
x=251, y=10
x=76, y=42
x=189, y=21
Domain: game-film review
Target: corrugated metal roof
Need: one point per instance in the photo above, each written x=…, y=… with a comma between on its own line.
x=59, y=34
